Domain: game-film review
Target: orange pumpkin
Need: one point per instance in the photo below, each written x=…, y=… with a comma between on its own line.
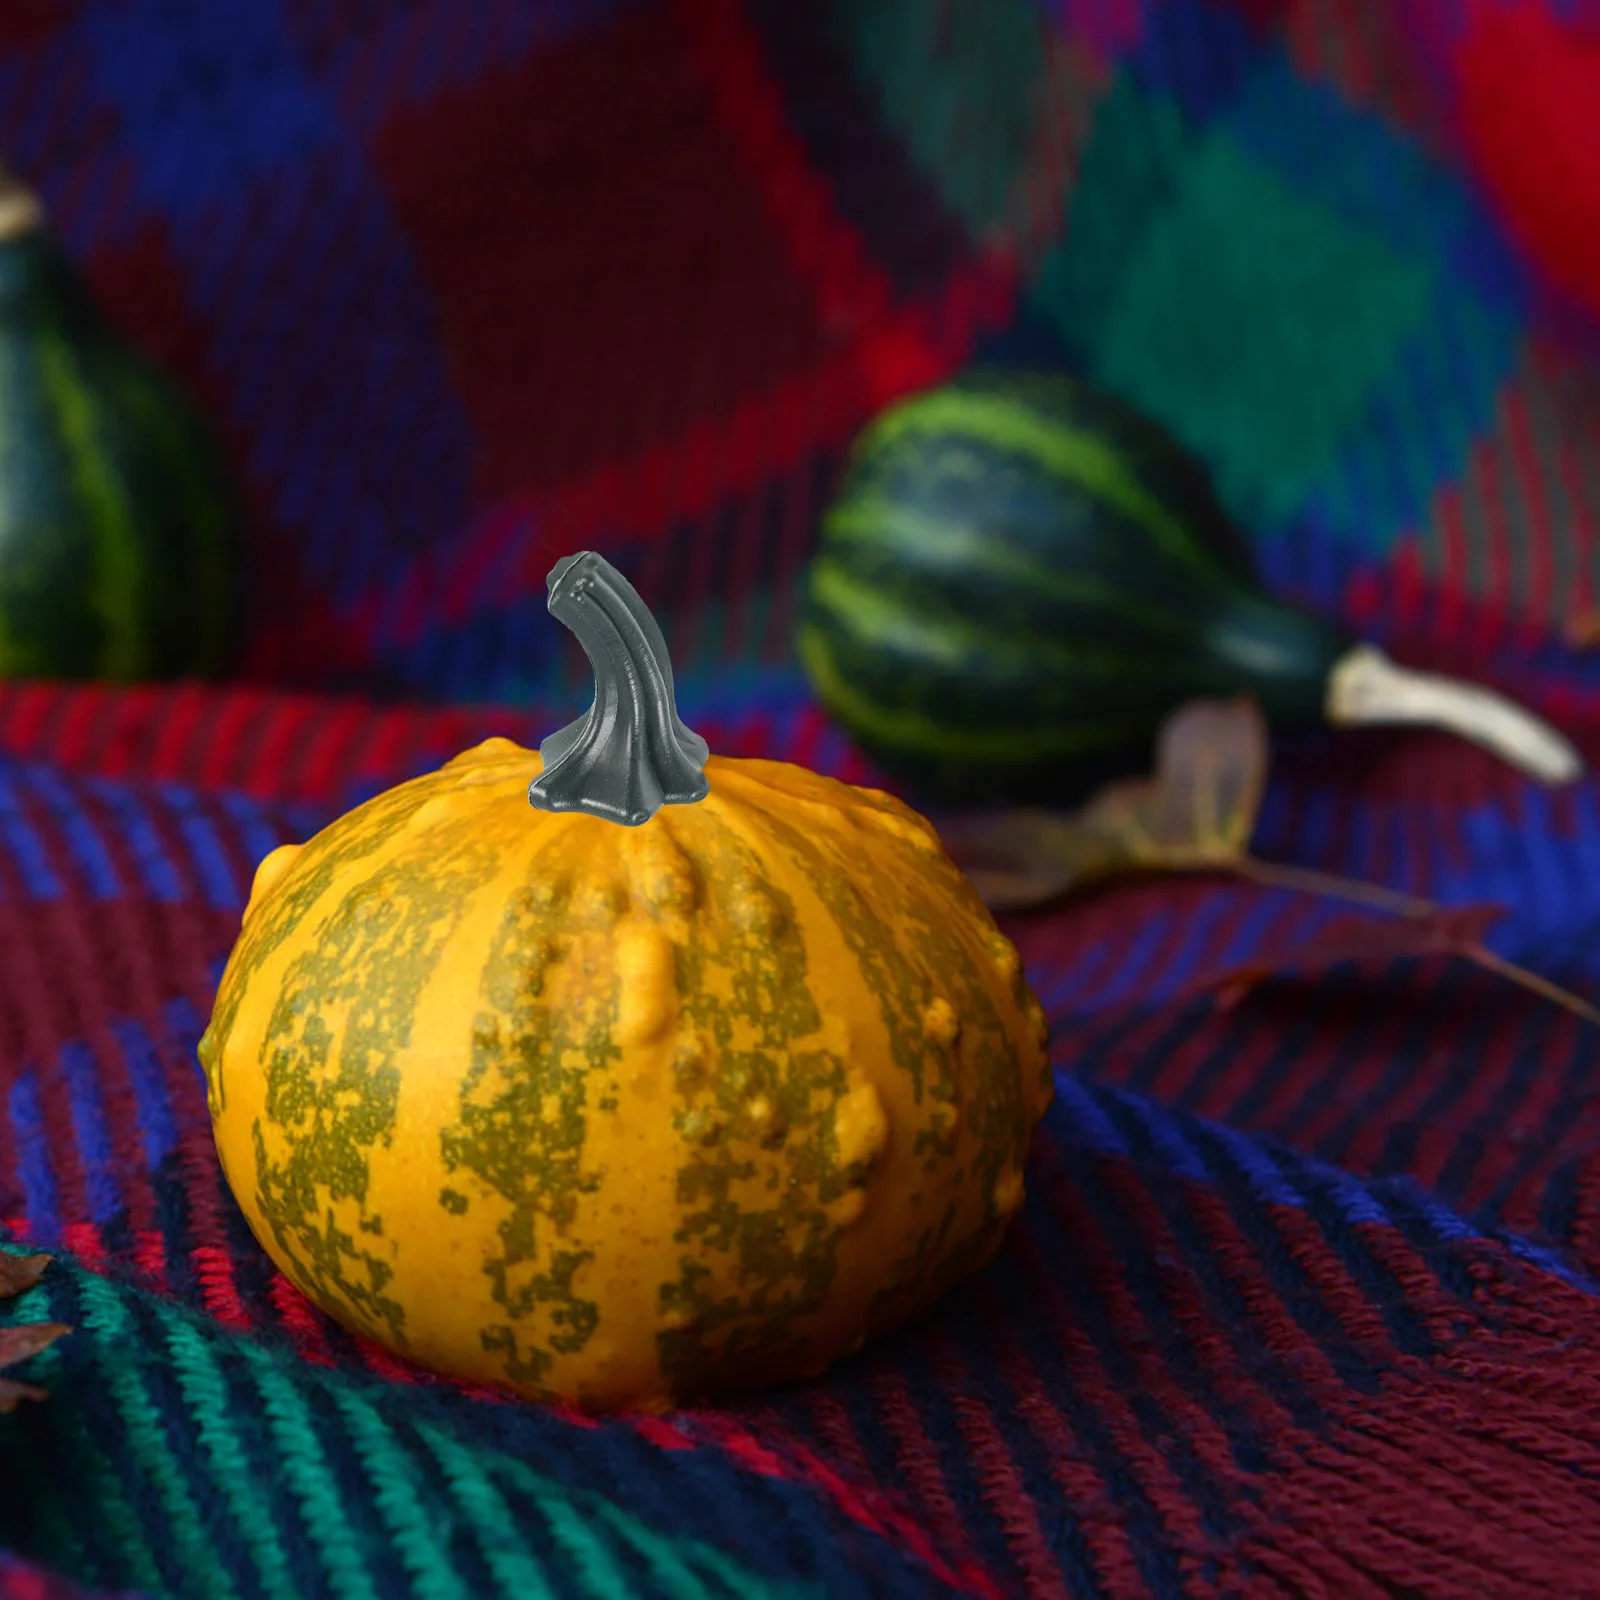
x=690, y=1076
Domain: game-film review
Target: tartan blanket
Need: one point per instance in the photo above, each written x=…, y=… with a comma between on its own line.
x=1304, y=1298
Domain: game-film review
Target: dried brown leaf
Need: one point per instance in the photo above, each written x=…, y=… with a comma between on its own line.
x=1018, y=859
x=1358, y=937
x=1200, y=808
x=18, y=1273
x=1196, y=813
x=11, y=1392
x=1456, y=931
x=19, y=1344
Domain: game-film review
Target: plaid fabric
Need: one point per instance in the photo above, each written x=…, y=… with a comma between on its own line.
x=1304, y=1298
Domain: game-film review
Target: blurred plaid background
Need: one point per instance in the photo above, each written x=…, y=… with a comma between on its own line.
x=468, y=285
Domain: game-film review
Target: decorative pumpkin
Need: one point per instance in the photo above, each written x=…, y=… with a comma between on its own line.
x=117, y=554
x=1021, y=578
x=690, y=1076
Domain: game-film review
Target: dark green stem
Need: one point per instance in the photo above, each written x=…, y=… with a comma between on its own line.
x=629, y=755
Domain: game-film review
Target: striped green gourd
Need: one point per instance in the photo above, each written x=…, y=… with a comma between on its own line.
x=117, y=554
x=1020, y=578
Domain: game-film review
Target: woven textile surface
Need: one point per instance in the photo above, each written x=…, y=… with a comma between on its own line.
x=1306, y=1296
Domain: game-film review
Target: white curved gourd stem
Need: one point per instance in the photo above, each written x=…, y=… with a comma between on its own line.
x=1366, y=688
x=20, y=208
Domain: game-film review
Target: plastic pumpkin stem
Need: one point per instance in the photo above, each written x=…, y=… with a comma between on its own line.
x=630, y=754
x=1367, y=688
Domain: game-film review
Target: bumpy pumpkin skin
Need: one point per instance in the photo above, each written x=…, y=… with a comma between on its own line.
x=624, y=1116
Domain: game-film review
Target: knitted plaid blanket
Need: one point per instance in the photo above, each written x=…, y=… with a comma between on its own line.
x=1304, y=1298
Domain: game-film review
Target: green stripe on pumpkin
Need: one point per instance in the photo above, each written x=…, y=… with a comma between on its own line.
x=886, y=620
x=871, y=520
x=43, y=547
x=1016, y=673
x=117, y=546
x=117, y=579
x=326, y=1124
x=915, y=732
x=1064, y=451
x=1007, y=693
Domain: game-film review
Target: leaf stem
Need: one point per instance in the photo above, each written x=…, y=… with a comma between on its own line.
x=1484, y=957
x=1309, y=881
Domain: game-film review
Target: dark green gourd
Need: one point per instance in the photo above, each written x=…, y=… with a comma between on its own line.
x=117, y=528
x=1021, y=577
